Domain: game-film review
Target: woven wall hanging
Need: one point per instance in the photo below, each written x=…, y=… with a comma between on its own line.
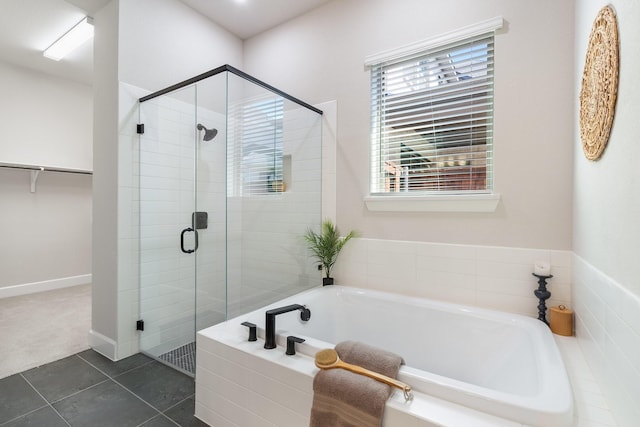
x=599, y=84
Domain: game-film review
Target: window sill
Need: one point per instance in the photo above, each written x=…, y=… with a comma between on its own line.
x=435, y=203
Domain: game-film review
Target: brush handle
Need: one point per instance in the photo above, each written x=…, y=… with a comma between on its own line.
x=376, y=376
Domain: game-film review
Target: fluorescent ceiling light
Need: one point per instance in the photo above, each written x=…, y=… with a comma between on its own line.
x=72, y=39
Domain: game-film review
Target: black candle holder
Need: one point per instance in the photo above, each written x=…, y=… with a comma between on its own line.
x=542, y=294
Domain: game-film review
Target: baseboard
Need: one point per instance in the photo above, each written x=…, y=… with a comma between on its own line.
x=103, y=345
x=45, y=285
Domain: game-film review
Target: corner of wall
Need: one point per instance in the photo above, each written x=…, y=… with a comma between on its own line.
x=103, y=345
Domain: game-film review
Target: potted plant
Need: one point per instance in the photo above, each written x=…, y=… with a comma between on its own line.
x=326, y=246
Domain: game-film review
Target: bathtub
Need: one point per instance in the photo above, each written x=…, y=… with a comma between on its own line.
x=463, y=363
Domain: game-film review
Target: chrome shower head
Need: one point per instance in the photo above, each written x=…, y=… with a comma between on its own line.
x=209, y=134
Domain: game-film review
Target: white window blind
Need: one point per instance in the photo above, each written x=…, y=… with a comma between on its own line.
x=255, y=157
x=432, y=120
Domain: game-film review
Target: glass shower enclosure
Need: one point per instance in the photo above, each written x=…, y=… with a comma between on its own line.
x=229, y=181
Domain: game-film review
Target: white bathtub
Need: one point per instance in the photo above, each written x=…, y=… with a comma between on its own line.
x=480, y=361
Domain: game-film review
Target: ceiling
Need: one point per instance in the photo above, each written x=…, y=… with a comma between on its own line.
x=246, y=18
x=27, y=27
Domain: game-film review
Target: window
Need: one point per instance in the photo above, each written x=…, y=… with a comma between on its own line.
x=432, y=118
x=256, y=154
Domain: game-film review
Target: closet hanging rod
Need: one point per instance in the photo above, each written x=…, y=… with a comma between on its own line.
x=45, y=168
x=35, y=171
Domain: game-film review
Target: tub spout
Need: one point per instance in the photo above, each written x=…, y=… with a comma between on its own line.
x=270, y=321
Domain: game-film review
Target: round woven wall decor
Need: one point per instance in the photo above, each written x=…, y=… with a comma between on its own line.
x=599, y=84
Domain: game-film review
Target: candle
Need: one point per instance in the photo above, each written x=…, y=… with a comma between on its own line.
x=542, y=268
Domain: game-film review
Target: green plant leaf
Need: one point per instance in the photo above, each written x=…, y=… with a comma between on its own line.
x=326, y=245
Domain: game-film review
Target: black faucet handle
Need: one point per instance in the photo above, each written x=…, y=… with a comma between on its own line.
x=291, y=345
x=305, y=313
x=252, y=331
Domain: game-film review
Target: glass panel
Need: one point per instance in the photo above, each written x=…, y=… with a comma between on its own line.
x=230, y=180
x=211, y=275
x=167, y=200
x=274, y=195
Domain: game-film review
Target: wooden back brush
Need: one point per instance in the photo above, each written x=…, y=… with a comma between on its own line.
x=329, y=359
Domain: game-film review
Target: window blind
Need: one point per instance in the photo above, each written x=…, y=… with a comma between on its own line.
x=432, y=120
x=255, y=157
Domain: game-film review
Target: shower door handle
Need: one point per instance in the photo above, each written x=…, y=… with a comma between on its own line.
x=186, y=230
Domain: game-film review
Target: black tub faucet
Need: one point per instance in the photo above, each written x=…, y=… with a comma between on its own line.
x=270, y=321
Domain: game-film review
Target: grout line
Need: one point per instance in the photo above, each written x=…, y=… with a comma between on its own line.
x=108, y=378
x=117, y=375
x=50, y=404
x=192, y=396
x=83, y=390
x=138, y=397
x=160, y=415
x=26, y=413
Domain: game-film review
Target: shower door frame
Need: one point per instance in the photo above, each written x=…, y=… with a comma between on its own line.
x=167, y=300
x=238, y=73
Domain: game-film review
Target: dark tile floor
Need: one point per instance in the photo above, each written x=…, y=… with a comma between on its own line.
x=87, y=389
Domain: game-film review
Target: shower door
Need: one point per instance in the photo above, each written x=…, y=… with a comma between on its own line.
x=182, y=222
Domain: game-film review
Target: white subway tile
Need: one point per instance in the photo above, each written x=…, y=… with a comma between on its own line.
x=459, y=281
x=625, y=339
x=593, y=415
x=508, y=303
x=504, y=270
x=424, y=249
x=447, y=293
x=523, y=288
x=512, y=255
x=450, y=265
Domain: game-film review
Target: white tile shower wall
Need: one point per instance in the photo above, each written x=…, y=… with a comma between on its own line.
x=168, y=276
x=491, y=277
x=329, y=130
x=274, y=260
x=164, y=273
x=608, y=331
x=211, y=198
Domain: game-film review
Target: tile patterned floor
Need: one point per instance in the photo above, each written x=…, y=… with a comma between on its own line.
x=182, y=357
x=87, y=389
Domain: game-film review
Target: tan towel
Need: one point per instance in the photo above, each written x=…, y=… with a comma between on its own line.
x=344, y=399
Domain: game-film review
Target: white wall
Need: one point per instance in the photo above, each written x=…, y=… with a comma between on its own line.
x=607, y=200
x=606, y=228
x=533, y=109
x=46, y=235
x=163, y=42
x=46, y=120
x=105, y=182
x=274, y=261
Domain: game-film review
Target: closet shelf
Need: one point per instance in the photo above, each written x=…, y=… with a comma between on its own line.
x=35, y=171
